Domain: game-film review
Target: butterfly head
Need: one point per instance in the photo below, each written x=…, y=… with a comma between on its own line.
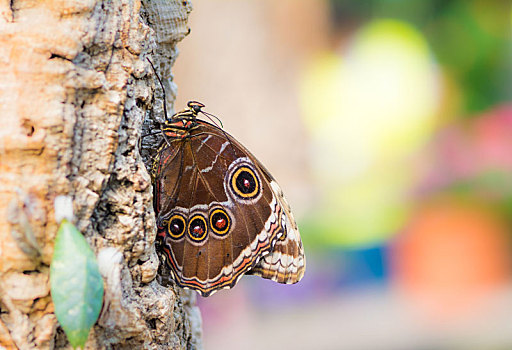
x=179, y=125
x=187, y=115
x=195, y=107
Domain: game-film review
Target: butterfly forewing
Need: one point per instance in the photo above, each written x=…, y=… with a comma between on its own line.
x=221, y=214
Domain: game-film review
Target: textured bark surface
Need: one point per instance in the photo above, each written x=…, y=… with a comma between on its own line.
x=75, y=89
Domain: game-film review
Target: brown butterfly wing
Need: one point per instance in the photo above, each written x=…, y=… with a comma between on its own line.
x=217, y=212
x=286, y=262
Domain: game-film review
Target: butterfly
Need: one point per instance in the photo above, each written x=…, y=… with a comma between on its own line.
x=220, y=214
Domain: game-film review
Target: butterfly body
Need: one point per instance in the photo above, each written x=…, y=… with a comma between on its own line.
x=220, y=214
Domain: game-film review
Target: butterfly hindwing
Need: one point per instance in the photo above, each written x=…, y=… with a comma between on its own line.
x=286, y=261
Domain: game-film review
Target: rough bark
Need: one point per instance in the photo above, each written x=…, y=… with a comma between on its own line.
x=75, y=89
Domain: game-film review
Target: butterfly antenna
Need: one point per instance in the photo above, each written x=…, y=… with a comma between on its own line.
x=162, y=85
x=210, y=116
x=165, y=101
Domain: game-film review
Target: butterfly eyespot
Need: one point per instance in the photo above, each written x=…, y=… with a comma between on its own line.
x=176, y=226
x=197, y=229
x=244, y=183
x=220, y=222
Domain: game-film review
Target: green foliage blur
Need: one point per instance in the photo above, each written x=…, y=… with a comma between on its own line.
x=471, y=40
x=420, y=88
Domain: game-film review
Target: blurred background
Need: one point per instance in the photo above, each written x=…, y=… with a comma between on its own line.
x=388, y=124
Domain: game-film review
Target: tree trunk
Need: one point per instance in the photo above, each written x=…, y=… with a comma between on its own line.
x=75, y=89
